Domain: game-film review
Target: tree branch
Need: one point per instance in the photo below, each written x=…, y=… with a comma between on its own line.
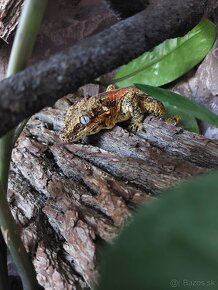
x=42, y=84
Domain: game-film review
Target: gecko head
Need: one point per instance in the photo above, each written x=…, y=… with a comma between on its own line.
x=84, y=118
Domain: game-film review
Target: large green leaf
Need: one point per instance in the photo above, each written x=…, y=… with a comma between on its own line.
x=170, y=59
x=180, y=102
x=172, y=242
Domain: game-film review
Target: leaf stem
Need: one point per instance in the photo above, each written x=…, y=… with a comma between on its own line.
x=15, y=245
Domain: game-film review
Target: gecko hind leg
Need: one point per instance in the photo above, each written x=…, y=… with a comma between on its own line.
x=173, y=119
x=134, y=127
x=136, y=122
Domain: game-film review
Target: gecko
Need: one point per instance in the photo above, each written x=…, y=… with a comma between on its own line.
x=104, y=111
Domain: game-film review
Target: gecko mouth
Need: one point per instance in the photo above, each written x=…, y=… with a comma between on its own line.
x=79, y=131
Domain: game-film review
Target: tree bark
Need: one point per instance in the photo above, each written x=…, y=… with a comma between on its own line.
x=9, y=14
x=68, y=199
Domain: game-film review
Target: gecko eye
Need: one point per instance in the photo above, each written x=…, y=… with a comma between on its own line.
x=84, y=120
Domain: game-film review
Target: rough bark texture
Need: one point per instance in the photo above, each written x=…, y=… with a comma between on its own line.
x=69, y=198
x=9, y=14
x=29, y=91
x=191, y=147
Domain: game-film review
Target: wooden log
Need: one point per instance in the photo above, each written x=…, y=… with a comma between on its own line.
x=68, y=199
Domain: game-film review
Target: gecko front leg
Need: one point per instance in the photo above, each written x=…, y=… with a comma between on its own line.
x=131, y=108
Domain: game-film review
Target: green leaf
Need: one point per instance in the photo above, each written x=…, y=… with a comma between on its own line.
x=172, y=242
x=181, y=102
x=170, y=59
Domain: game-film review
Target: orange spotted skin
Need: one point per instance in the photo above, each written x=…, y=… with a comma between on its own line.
x=104, y=111
x=117, y=94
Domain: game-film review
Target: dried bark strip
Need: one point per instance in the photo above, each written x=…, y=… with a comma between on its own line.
x=176, y=141
x=103, y=186
x=27, y=92
x=149, y=175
